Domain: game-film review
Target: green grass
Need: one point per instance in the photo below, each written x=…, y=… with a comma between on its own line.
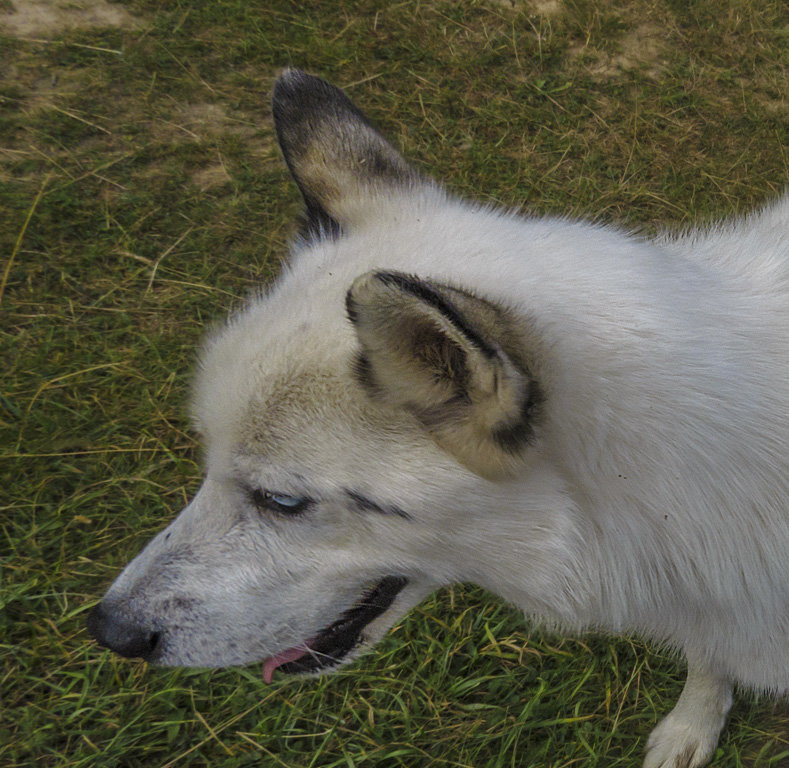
x=142, y=196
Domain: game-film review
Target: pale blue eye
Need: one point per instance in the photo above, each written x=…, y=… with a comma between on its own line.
x=286, y=501
x=279, y=502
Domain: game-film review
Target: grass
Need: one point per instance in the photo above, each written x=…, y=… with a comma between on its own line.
x=142, y=196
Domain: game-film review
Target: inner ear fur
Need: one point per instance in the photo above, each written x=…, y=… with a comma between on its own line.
x=458, y=362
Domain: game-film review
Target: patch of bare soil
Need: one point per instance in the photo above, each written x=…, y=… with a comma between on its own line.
x=546, y=7
x=42, y=18
x=642, y=48
x=538, y=7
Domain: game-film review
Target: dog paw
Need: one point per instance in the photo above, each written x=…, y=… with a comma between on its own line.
x=678, y=743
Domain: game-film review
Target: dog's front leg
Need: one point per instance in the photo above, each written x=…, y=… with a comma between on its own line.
x=687, y=736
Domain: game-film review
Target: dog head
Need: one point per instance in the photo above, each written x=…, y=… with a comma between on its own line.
x=361, y=425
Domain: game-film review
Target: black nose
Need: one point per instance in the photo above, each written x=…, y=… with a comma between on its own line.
x=117, y=632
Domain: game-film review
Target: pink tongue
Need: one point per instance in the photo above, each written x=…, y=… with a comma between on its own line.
x=291, y=654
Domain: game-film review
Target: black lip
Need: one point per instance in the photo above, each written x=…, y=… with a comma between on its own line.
x=339, y=638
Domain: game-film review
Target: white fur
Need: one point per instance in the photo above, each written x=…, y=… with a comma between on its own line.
x=666, y=442
x=654, y=499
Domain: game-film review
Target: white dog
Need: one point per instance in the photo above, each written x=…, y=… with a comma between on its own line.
x=591, y=425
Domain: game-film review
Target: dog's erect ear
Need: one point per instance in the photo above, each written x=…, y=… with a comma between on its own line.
x=336, y=157
x=456, y=361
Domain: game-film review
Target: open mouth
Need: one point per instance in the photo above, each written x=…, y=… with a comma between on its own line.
x=332, y=644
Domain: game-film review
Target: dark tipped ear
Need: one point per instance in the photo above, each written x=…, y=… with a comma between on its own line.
x=336, y=157
x=454, y=360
